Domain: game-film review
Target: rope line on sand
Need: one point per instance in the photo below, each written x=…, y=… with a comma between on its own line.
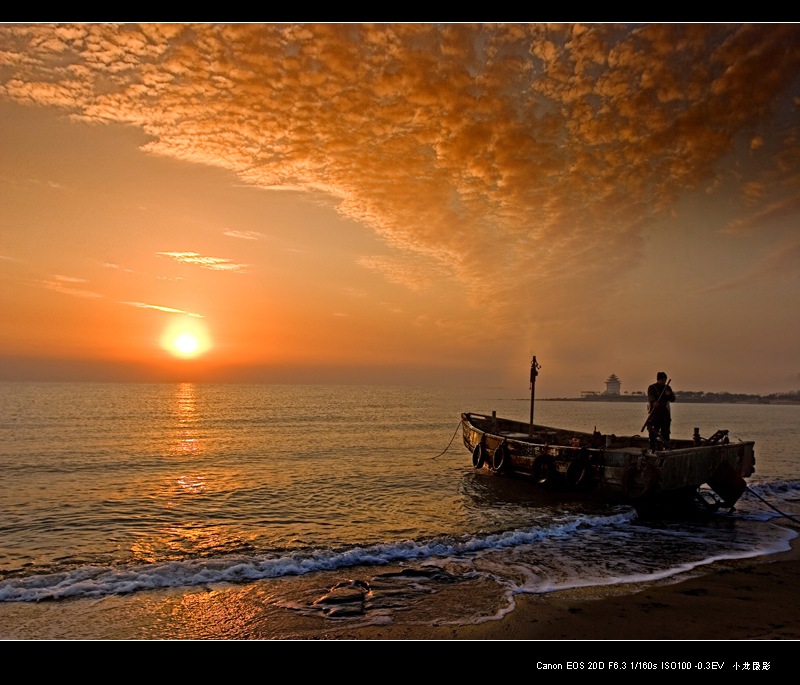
x=791, y=518
x=450, y=443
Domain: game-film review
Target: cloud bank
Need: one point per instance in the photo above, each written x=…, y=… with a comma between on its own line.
x=522, y=161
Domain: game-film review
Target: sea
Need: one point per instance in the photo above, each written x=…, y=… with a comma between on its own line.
x=335, y=506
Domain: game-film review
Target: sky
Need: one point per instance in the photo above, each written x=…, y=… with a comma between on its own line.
x=402, y=203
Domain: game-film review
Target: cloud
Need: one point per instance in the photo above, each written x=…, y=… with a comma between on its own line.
x=781, y=264
x=168, y=310
x=763, y=218
x=524, y=160
x=116, y=267
x=244, y=235
x=213, y=263
x=416, y=273
x=68, y=286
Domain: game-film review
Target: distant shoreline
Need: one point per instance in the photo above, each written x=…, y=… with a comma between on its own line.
x=690, y=398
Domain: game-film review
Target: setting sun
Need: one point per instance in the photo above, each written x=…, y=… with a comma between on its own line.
x=393, y=235
x=186, y=344
x=186, y=338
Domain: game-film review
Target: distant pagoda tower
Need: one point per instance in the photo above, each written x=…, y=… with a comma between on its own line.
x=613, y=385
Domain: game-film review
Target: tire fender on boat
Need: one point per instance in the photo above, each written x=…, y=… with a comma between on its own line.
x=544, y=470
x=638, y=482
x=500, y=459
x=478, y=456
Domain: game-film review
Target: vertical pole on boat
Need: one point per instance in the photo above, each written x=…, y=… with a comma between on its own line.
x=534, y=372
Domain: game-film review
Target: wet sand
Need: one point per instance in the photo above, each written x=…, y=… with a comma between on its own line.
x=754, y=599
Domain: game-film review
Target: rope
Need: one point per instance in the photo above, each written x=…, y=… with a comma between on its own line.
x=791, y=518
x=450, y=443
x=785, y=515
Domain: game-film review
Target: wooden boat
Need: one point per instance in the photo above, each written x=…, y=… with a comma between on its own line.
x=709, y=471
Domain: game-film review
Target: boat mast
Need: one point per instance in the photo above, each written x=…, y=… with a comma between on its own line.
x=534, y=372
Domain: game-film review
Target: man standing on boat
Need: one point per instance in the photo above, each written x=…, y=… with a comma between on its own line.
x=659, y=418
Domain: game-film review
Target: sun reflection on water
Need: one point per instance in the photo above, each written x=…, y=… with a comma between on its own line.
x=193, y=484
x=188, y=417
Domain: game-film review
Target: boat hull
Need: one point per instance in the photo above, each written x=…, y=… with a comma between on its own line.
x=615, y=467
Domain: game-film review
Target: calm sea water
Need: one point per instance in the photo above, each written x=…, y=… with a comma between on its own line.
x=113, y=490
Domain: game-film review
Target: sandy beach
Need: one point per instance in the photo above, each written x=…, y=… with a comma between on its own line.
x=752, y=599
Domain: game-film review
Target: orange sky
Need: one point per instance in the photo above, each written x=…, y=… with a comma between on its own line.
x=403, y=203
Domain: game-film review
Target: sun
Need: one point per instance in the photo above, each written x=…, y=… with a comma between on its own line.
x=186, y=338
x=186, y=344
